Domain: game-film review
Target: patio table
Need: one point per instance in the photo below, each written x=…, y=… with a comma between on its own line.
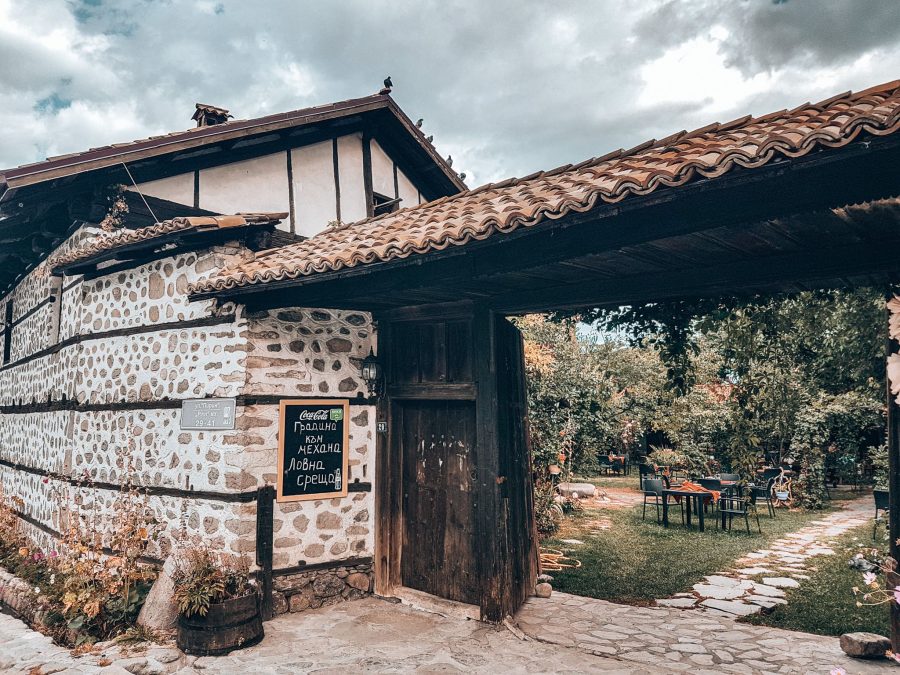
x=690, y=496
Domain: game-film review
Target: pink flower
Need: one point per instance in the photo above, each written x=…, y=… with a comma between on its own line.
x=869, y=578
x=897, y=595
x=53, y=554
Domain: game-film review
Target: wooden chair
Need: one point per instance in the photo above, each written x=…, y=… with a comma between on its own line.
x=730, y=476
x=738, y=506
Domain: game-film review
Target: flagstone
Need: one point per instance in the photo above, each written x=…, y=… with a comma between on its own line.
x=781, y=582
x=677, y=602
x=732, y=607
x=719, y=592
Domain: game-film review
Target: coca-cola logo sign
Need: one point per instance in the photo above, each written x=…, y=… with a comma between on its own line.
x=312, y=449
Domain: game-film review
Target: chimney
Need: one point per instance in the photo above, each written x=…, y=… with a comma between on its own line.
x=208, y=115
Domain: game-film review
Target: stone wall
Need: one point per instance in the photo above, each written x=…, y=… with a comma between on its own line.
x=132, y=348
x=318, y=588
x=307, y=353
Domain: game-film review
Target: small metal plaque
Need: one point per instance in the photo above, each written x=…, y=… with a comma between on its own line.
x=382, y=427
x=207, y=413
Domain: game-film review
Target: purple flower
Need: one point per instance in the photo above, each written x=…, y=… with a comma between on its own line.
x=869, y=578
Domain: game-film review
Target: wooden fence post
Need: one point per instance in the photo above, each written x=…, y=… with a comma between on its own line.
x=265, y=511
x=892, y=347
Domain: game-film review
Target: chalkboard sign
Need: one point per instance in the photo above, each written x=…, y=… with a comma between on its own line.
x=313, y=440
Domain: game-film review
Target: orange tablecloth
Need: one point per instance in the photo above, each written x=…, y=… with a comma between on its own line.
x=688, y=486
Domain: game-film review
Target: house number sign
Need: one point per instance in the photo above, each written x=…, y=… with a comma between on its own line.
x=207, y=414
x=313, y=438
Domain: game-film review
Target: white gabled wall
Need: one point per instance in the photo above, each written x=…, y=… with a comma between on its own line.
x=353, y=191
x=253, y=185
x=178, y=188
x=263, y=184
x=382, y=171
x=315, y=199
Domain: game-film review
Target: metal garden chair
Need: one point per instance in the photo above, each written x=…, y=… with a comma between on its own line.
x=764, y=492
x=653, y=494
x=729, y=507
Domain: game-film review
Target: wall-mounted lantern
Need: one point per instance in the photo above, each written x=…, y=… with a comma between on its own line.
x=370, y=370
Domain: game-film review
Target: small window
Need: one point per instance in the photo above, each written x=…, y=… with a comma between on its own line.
x=382, y=204
x=7, y=331
x=53, y=326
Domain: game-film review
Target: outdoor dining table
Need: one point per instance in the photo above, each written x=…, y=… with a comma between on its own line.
x=695, y=496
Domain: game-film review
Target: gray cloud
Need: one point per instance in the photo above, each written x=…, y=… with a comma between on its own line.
x=506, y=87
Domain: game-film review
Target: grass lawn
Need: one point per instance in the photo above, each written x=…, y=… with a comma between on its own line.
x=631, y=481
x=824, y=603
x=636, y=562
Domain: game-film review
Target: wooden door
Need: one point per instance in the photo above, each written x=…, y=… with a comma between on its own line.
x=437, y=441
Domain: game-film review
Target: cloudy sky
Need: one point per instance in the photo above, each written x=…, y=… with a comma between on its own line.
x=506, y=87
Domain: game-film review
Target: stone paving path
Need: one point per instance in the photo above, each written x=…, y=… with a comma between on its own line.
x=663, y=640
x=757, y=581
x=368, y=635
x=563, y=634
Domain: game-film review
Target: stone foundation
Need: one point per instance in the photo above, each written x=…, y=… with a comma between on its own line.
x=319, y=588
x=17, y=595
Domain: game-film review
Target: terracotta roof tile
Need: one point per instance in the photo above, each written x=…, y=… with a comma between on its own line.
x=194, y=224
x=503, y=207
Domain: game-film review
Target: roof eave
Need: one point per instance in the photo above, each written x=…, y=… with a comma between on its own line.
x=154, y=147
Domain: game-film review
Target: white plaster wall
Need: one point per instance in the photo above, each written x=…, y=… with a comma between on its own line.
x=178, y=188
x=408, y=192
x=382, y=171
x=350, y=166
x=315, y=199
x=254, y=185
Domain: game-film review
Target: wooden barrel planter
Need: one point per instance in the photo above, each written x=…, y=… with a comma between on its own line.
x=227, y=626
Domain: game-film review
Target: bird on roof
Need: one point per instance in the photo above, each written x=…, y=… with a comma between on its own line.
x=419, y=123
x=462, y=176
x=388, y=85
x=449, y=160
x=429, y=138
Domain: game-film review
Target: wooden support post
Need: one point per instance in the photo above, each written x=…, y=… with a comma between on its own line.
x=487, y=499
x=892, y=347
x=265, y=511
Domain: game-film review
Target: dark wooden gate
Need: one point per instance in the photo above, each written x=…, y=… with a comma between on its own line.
x=438, y=446
x=454, y=500
x=521, y=558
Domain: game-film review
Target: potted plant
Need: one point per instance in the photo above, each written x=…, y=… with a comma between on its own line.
x=218, y=606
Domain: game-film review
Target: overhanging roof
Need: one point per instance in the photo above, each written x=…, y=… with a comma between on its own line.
x=42, y=203
x=157, y=146
x=182, y=231
x=830, y=135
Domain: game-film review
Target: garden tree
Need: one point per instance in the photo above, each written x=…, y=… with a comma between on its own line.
x=586, y=396
x=784, y=359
